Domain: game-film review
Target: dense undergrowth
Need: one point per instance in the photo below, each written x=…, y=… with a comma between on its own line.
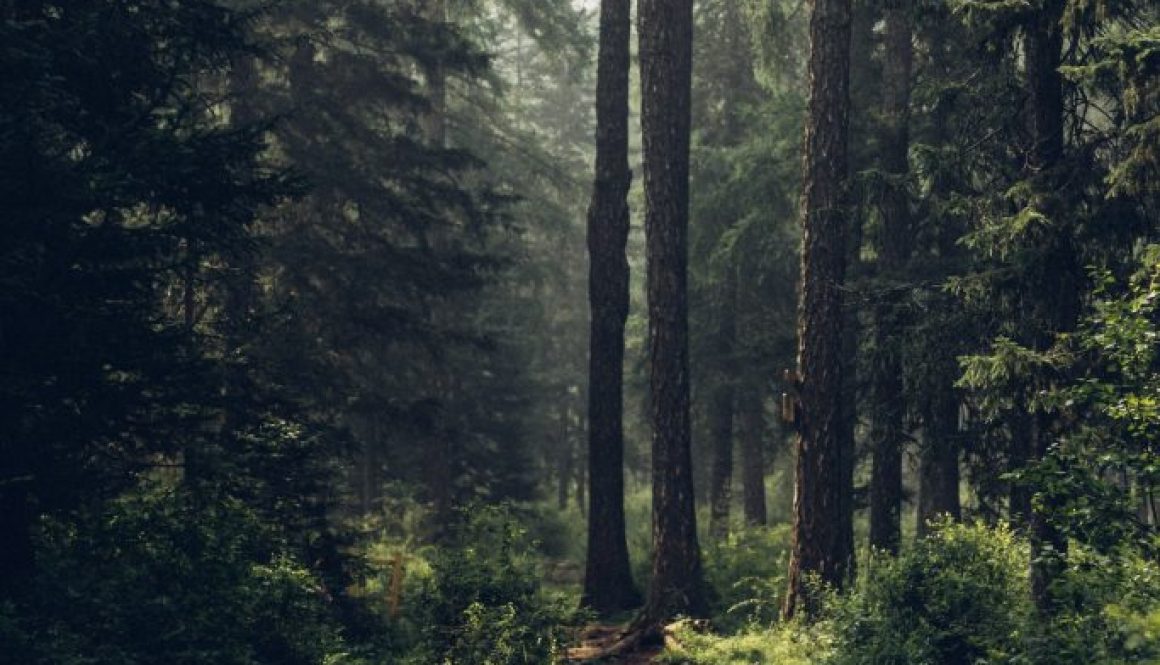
x=960, y=597
x=157, y=578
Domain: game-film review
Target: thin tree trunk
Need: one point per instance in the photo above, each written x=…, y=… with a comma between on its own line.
x=822, y=524
x=863, y=18
x=939, y=474
x=938, y=491
x=441, y=463
x=666, y=40
x=608, y=585
x=752, y=425
x=1042, y=53
x=721, y=410
x=1021, y=425
x=564, y=460
x=887, y=435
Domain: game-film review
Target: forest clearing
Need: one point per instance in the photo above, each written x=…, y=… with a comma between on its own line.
x=531, y=332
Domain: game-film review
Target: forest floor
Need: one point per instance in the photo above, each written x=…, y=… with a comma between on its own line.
x=601, y=643
x=623, y=645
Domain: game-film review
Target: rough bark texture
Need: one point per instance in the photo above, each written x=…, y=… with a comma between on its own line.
x=721, y=409
x=822, y=529
x=751, y=422
x=666, y=40
x=887, y=435
x=608, y=585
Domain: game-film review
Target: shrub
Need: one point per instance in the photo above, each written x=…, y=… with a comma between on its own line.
x=158, y=578
x=483, y=603
x=1107, y=610
x=958, y=597
x=791, y=643
x=746, y=574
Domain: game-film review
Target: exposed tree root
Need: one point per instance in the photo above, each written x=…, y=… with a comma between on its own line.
x=638, y=643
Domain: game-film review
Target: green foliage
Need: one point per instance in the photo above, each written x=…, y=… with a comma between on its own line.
x=959, y=596
x=483, y=602
x=746, y=573
x=120, y=186
x=156, y=577
x=792, y=643
x=1105, y=602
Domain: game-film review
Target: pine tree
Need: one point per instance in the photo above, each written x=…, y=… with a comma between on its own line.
x=666, y=40
x=895, y=241
x=822, y=526
x=608, y=584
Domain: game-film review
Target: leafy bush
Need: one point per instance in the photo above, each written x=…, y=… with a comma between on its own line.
x=159, y=577
x=1107, y=606
x=784, y=644
x=483, y=603
x=746, y=573
x=958, y=597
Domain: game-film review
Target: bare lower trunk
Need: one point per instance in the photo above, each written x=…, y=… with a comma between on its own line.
x=608, y=585
x=894, y=254
x=752, y=425
x=938, y=493
x=721, y=411
x=822, y=523
x=666, y=40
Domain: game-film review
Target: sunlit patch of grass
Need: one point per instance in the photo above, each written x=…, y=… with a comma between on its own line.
x=784, y=644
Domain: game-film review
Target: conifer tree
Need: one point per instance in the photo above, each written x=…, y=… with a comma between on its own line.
x=608, y=584
x=822, y=522
x=666, y=44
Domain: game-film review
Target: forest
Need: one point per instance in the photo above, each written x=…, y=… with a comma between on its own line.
x=521, y=332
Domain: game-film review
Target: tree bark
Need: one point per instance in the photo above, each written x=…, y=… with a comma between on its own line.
x=608, y=585
x=939, y=476
x=752, y=425
x=822, y=525
x=666, y=40
x=938, y=491
x=721, y=409
x=887, y=435
x=1042, y=54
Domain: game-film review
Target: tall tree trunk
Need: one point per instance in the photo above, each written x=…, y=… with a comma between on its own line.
x=1021, y=425
x=822, y=524
x=938, y=491
x=1042, y=54
x=441, y=463
x=666, y=41
x=939, y=478
x=565, y=458
x=894, y=249
x=721, y=409
x=751, y=422
x=608, y=585
x=864, y=16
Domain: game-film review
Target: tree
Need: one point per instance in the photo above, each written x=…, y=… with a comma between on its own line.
x=666, y=43
x=822, y=523
x=894, y=246
x=608, y=584
x=1059, y=300
x=724, y=92
x=120, y=188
